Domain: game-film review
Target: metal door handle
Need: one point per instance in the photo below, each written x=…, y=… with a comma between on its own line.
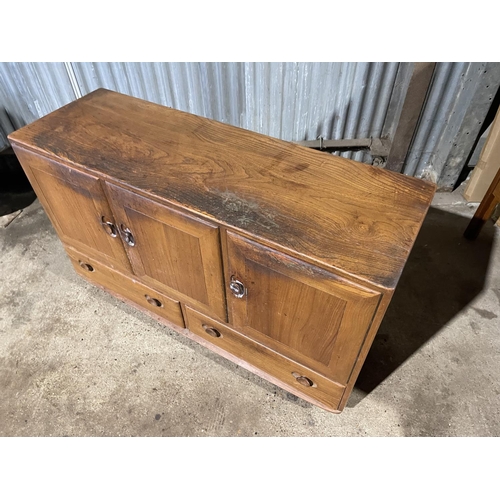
x=237, y=287
x=109, y=227
x=127, y=236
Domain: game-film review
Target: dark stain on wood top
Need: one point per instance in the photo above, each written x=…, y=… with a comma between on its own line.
x=340, y=213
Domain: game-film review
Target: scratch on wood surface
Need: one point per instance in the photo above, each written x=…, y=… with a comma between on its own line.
x=246, y=212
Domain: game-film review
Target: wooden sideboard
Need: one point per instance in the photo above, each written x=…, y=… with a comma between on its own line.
x=278, y=257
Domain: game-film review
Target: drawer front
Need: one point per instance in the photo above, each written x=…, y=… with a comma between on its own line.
x=129, y=288
x=297, y=378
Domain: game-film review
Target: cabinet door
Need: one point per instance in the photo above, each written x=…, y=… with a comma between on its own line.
x=171, y=251
x=300, y=310
x=77, y=207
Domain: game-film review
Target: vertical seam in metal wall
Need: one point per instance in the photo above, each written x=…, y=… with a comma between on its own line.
x=73, y=80
x=294, y=101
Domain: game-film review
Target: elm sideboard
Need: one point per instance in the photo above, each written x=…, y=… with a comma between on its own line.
x=280, y=258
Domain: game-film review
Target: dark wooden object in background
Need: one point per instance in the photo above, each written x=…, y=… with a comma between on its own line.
x=485, y=209
x=278, y=257
x=407, y=122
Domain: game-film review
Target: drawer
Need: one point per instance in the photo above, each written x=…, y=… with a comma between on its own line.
x=127, y=287
x=293, y=376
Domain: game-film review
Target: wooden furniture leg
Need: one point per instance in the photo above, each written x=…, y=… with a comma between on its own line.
x=485, y=209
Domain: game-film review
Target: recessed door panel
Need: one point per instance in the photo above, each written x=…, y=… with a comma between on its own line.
x=173, y=257
x=171, y=250
x=303, y=312
x=293, y=313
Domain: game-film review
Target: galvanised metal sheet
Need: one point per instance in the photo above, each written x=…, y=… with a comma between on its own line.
x=29, y=91
x=435, y=116
x=457, y=103
x=5, y=129
x=291, y=101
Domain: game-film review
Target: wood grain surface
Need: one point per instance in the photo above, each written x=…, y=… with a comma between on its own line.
x=127, y=286
x=304, y=312
x=77, y=207
x=322, y=389
x=172, y=250
x=357, y=219
x=165, y=210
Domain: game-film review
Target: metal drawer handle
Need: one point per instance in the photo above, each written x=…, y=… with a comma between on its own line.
x=213, y=332
x=237, y=287
x=86, y=266
x=127, y=236
x=109, y=227
x=306, y=382
x=152, y=301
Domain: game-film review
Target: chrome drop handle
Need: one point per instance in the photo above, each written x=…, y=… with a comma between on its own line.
x=127, y=236
x=237, y=287
x=109, y=227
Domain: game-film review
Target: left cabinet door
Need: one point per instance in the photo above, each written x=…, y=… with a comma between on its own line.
x=77, y=207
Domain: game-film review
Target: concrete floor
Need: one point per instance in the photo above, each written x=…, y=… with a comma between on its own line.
x=76, y=362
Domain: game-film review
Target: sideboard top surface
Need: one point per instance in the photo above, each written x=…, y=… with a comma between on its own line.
x=340, y=213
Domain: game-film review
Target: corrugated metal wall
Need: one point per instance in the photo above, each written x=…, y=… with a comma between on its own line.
x=29, y=91
x=458, y=101
x=291, y=101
